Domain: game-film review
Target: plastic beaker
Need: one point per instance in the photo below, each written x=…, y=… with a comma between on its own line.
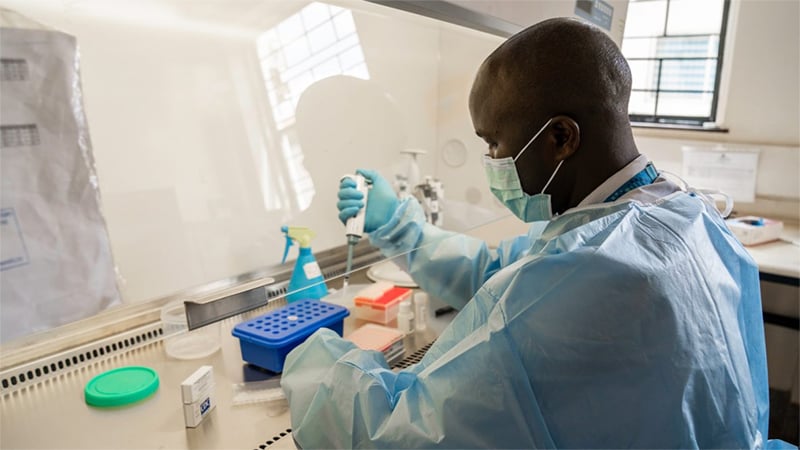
x=181, y=343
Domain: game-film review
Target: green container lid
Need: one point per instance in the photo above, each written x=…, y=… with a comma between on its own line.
x=121, y=386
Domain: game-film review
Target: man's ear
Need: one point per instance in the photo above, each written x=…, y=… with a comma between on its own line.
x=566, y=135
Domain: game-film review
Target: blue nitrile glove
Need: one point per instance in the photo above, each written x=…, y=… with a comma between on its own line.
x=381, y=204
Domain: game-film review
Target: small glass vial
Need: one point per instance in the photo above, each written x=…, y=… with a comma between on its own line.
x=405, y=317
x=421, y=313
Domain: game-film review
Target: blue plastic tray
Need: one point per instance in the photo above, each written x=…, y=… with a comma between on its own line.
x=267, y=339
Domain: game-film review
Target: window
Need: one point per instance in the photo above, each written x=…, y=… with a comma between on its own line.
x=318, y=42
x=674, y=48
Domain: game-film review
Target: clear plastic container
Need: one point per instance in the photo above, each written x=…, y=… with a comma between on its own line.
x=181, y=343
x=405, y=317
x=421, y=311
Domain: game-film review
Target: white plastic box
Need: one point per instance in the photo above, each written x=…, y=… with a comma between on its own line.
x=197, y=393
x=752, y=230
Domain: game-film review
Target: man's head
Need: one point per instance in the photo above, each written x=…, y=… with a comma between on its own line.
x=566, y=70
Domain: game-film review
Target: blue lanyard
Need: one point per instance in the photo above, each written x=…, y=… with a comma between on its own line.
x=647, y=176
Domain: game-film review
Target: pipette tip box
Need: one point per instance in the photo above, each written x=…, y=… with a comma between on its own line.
x=387, y=340
x=267, y=339
x=380, y=303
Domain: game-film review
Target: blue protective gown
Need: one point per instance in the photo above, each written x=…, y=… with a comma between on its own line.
x=634, y=324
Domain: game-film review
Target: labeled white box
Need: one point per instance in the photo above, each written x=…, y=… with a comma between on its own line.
x=197, y=384
x=194, y=413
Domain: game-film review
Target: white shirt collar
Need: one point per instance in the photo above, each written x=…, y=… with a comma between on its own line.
x=616, y=181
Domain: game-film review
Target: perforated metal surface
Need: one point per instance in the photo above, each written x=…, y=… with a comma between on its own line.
x=413, y=358
x=37, y=371
x=271, y=442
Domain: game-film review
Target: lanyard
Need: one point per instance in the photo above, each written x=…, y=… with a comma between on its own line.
x=647, y=176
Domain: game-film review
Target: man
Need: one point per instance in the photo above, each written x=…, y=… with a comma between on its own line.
x=632, y=319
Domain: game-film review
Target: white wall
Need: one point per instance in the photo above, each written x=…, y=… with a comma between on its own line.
x=760, y=105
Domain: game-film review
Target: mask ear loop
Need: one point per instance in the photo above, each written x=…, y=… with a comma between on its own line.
x=677, y=178
x=707, y=195
x=553, y=175
x=533, y=139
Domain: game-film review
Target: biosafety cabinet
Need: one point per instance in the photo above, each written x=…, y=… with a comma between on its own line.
x=151, y=152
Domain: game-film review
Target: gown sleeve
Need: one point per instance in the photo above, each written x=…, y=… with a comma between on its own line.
x=448, y=265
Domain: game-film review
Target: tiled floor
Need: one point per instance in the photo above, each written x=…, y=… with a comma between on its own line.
x=784, y=421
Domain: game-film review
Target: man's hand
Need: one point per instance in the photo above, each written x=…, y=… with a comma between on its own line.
x=381, y=203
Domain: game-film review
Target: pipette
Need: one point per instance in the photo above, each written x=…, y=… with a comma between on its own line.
x=354, y=225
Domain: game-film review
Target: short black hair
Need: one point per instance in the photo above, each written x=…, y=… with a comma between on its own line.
x=563, y=66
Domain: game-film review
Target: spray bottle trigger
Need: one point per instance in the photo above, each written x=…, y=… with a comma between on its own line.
x=285, y=230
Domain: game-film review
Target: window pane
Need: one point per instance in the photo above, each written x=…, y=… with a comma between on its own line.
x=322, y=37
x=685, y=105
x=344, y=25
x=695, y=47
x=290, y=29
x=296, y=52
x=642, y=103
x=646, y=18
x=639, y=47
x=327, y=68
x=644, y=74
x=352, y=57
x=315, y=14
x=671, y=47
x=689, y=75
x=694, y=17
x=359, y=71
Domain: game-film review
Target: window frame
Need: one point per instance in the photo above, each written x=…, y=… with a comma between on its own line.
x=684, y=121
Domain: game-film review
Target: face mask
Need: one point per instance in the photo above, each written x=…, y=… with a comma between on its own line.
x=505, y=185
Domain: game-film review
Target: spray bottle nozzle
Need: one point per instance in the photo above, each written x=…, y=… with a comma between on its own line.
x=302, y=235
x=285, y=230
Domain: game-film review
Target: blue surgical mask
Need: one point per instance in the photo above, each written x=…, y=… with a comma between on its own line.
x=505, y=185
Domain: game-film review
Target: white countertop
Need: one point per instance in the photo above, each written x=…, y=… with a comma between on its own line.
x=779, y=257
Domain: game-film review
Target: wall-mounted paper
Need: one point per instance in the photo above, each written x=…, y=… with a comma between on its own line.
x=731, y=171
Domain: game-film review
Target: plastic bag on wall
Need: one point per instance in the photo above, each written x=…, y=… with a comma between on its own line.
x=55, y=259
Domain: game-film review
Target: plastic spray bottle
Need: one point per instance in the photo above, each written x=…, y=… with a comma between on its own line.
x=307, y=281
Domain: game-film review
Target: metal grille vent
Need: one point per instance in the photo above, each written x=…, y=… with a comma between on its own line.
x=413, y=358
x=273, y=292
x=36, y=371
x=274, y=439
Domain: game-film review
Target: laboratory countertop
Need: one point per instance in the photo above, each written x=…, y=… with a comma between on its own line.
x=53, y=414
x=780, y=257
